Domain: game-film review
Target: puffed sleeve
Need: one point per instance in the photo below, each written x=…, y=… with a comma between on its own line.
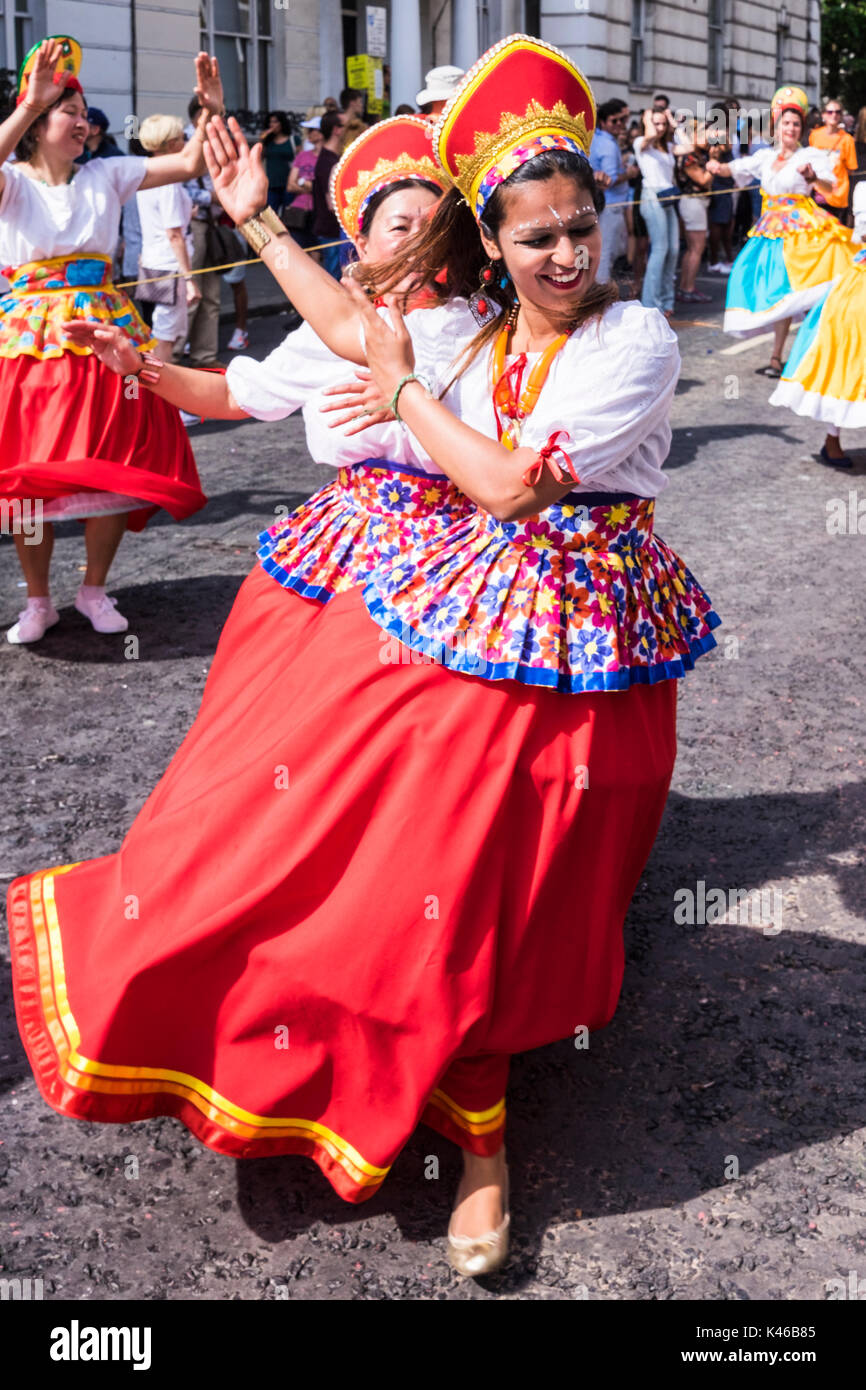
x=274, y=388
x=439, y=337
x=750, y=166
x=824, y=162
x=623, y=401
x=125, y=173
x=10, y=198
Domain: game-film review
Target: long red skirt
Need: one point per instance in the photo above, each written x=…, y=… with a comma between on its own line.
x=69, y=425
x=355, y=876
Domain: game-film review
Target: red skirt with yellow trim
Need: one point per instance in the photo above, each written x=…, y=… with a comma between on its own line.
x=355, y=876
x=72, y=428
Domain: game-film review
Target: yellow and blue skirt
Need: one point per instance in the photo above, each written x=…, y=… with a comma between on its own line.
x=825, y=376
x=792, y=255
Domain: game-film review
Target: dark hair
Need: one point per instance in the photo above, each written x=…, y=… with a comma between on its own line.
x=285, y=125
x=610, y=108
x=349, y=94
x=399, y=186
x=793, y=111
x=447, y=254
x=329, y=123
x=26, y=147
x=405, y=110
x=193, y=108
x=660, y=96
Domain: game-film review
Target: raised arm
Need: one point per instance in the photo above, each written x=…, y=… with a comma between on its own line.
x=241, y=184
x=42, y=91
x=189, y=163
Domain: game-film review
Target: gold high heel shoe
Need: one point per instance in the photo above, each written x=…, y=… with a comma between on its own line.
x=478, y=1255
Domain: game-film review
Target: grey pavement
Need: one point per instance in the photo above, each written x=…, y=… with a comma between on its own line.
x=709, y=1144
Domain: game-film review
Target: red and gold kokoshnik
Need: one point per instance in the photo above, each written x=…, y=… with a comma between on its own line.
x=399, y=148
x=522, y=97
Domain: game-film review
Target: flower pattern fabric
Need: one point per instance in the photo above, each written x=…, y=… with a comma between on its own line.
x=369, y=515
x=45, y=295
x=583, y=597
x=787, y=216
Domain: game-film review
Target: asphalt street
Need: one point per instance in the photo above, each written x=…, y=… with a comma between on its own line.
x=708, y=1144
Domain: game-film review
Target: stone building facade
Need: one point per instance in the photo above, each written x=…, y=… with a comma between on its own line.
x=290, y=53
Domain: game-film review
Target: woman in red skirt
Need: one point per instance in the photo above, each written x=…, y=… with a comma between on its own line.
x=389, y=858
x=387, y=494
x=77, y=441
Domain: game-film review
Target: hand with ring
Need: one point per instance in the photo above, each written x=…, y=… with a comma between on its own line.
x=357, y=404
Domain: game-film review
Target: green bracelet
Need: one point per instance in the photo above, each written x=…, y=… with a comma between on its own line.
x=404, y=381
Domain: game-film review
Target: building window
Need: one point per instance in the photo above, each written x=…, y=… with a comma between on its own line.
x=17, y=21
x=638, y=33
x=715, y=43
x=782, y=33
x=239, y=32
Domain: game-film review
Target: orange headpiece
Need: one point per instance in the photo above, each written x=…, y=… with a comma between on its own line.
x=399, y=148
x=521, y=98
x=65, y=73
x=789, y=99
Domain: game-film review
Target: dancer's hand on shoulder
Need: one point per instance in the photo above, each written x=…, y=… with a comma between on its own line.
x=390, y=354
x=357, y=403
x=107, y=342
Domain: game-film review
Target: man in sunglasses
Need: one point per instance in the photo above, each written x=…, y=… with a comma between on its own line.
x=605, y=156
x=833, y=136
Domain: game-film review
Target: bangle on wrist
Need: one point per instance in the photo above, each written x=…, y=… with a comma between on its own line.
x=151, y=368
x=262, y=228
x=404, y=381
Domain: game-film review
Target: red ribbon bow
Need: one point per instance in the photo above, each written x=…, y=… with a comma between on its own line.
x=506, y=392
x=545, y=456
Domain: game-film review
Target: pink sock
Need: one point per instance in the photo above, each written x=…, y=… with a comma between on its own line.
x=42, y=601
x=92, y=591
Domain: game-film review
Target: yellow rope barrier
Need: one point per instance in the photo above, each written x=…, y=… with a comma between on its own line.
x=213, y=269
x=325, y=245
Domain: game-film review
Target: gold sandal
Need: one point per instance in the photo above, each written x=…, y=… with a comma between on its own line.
x=475, y=1256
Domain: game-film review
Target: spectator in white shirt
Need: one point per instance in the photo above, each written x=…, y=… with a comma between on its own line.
x=166, y=242
x=654, y=154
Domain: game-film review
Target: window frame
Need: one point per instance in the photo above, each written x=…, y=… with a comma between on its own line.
x=716, y=44
x=257, y=50
x=637, y=44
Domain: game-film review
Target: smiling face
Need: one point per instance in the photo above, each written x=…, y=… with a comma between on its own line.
x=66, y=127
x=550, y=242
x=396, y=218
x=789, y=128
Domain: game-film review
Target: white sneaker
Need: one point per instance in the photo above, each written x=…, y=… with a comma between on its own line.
x=239, y=340
x=33, y=623
x=714, y=269
x=188, y=419
x=725, y=267
x=102, y=613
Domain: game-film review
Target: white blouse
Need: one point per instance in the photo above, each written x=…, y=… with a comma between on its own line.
x=610, y=388
x=294, y=376
x=787, y=179
x=38, y=221
x=656, y=165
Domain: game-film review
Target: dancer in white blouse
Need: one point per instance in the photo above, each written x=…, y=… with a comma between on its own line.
x=795, y=250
